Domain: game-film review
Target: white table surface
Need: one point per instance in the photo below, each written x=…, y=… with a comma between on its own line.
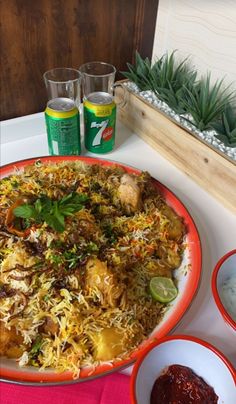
x=25, y=137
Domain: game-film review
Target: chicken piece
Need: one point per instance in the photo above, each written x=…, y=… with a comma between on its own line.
x=86, y=227
x=163, y=271
x=129, y=193
x=176, y=228
x=170, y=258
x=9, y=342
x=108, y=344
x=173, y=259
x=14, y=352
x=5, y=338
x=99, y=276
x=160, y=269
x=49, y=326
x=18, y=257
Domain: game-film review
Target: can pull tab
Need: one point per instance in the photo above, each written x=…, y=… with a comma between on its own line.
x=119, y=98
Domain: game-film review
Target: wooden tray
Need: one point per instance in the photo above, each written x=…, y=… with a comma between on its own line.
x=212, y=170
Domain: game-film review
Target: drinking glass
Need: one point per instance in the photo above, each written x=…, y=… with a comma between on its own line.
x=63, y=82
x=99, y=77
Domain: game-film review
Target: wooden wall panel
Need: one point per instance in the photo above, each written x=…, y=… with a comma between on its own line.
x=39, y=35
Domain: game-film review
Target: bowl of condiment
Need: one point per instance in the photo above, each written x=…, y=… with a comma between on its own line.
x=182, y=369
x=224, y=287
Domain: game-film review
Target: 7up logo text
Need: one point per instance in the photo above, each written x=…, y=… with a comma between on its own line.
x=104, y=133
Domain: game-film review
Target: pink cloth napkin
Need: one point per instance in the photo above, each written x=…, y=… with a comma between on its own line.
x=112, y=389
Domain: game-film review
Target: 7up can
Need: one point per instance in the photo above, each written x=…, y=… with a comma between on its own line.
x=99, y=122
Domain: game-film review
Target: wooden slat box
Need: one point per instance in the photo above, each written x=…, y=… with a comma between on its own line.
x=210, y=169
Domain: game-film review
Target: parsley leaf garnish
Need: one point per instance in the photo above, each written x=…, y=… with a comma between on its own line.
x=24, y=211
x=52, y=212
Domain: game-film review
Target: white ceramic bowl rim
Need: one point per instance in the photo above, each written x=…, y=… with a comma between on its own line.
x=225, y=362
x=214, y=284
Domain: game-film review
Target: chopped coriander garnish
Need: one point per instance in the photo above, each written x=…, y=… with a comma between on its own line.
x=109, y=232
x=35, y=349
x=71, y=258
x=15, y=184
x=56, y=259
x=92, y=247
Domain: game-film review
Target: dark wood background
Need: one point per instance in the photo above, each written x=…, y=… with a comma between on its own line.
x=37, y=35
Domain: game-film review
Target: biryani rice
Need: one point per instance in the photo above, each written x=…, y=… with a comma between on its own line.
x=81, y=296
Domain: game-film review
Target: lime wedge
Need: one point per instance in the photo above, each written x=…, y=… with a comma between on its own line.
x=163, y=289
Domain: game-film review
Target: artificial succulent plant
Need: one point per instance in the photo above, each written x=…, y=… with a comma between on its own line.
x=176, y=84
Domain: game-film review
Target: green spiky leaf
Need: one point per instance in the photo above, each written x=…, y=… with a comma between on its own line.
x=226, y=126
x=139, y=73
x=205, y=102
x=166, y=78
x=169, y=82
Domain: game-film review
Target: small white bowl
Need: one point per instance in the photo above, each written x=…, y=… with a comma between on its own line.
x=204, y=359
x=224, y=269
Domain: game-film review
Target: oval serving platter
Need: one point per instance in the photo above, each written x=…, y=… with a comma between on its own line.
x=188, y=276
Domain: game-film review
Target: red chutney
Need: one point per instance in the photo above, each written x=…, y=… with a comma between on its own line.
x=180, y=385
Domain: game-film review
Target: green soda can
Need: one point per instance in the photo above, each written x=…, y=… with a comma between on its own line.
x=99, y=122
x=63, y=127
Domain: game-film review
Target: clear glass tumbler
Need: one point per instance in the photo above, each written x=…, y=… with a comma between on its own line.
x=63, y=82
x=97, y=77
